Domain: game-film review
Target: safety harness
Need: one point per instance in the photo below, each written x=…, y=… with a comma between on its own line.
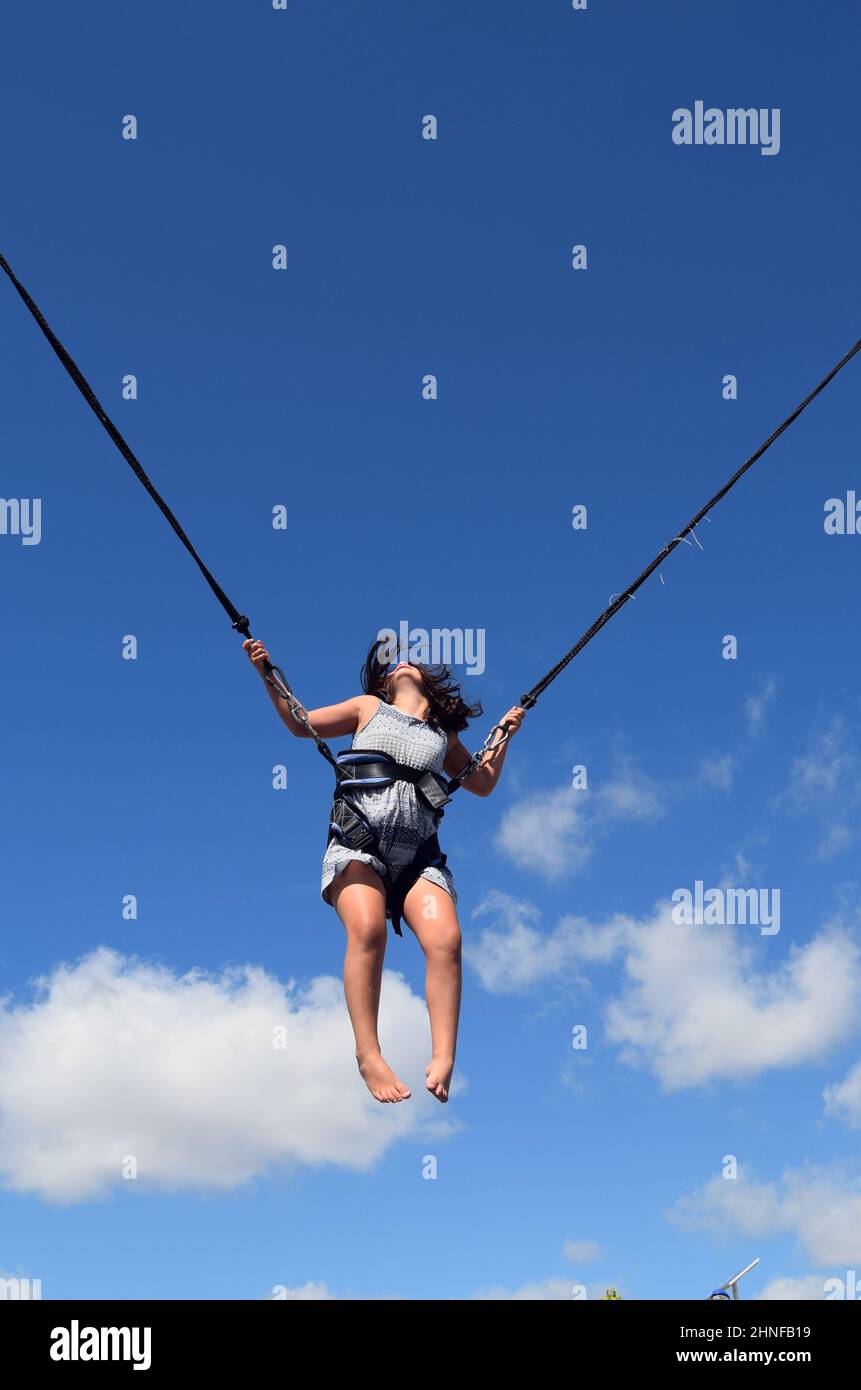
x=351, y=772
x=369, y=770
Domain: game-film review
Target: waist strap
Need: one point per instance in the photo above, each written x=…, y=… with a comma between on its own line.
x=351, y=828
x=364, y=771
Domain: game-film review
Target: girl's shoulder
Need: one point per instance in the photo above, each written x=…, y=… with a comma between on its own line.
x=366, y=708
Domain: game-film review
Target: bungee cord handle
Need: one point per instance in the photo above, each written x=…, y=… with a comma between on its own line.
x=526, y=703
x=275, y=677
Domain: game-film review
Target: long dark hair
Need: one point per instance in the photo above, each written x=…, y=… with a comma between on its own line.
x=448, y=709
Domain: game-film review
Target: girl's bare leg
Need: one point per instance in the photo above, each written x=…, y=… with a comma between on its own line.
x=359, y=899
x=430, y=913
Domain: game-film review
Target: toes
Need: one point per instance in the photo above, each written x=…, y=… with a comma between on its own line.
x=387, y=1089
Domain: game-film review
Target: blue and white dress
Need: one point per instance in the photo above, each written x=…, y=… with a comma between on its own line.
x=400, y=820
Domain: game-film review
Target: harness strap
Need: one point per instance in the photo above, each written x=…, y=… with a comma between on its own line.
x=369, y=768
x=350, y=827
x=428, y=853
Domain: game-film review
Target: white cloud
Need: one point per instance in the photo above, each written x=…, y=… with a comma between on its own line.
x=740, y=871
x=756, y=705
x=717, y=772
x=829, y=766
x=843, y=1098
x=312, y=1292
x=825, y=785
x=304, y=1293
x=543, y=1290
x=118, y=1057
x=782, y=1288
x=548, y=832
x=581, y=1251
x=820, y=1208
x=514, y=953
x=697, y=1002
x=785, y=1289
x=834, y=839
x=724, y=1204
x=630, y=796
x=550, y=1289
x=554, y=833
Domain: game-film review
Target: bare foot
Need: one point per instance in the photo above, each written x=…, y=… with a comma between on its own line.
x=381, y=1080
x=438, y=1072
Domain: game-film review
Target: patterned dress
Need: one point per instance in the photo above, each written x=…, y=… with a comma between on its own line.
x=397, y=816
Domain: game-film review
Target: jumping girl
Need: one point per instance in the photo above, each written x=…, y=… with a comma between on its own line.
x=405, y=744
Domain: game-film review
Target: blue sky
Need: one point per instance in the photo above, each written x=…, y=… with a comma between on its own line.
x=556, y=1168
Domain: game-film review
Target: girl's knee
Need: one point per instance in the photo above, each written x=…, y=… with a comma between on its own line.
x=367, y=931
x=445, y=939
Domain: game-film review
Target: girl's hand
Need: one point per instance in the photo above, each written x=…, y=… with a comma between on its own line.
x=514, y=718
x=257, y=653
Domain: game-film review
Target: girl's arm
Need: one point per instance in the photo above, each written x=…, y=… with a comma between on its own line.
x=487, y=774
x=331, y=721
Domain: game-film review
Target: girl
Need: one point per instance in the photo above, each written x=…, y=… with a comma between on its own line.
x=412, y=714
